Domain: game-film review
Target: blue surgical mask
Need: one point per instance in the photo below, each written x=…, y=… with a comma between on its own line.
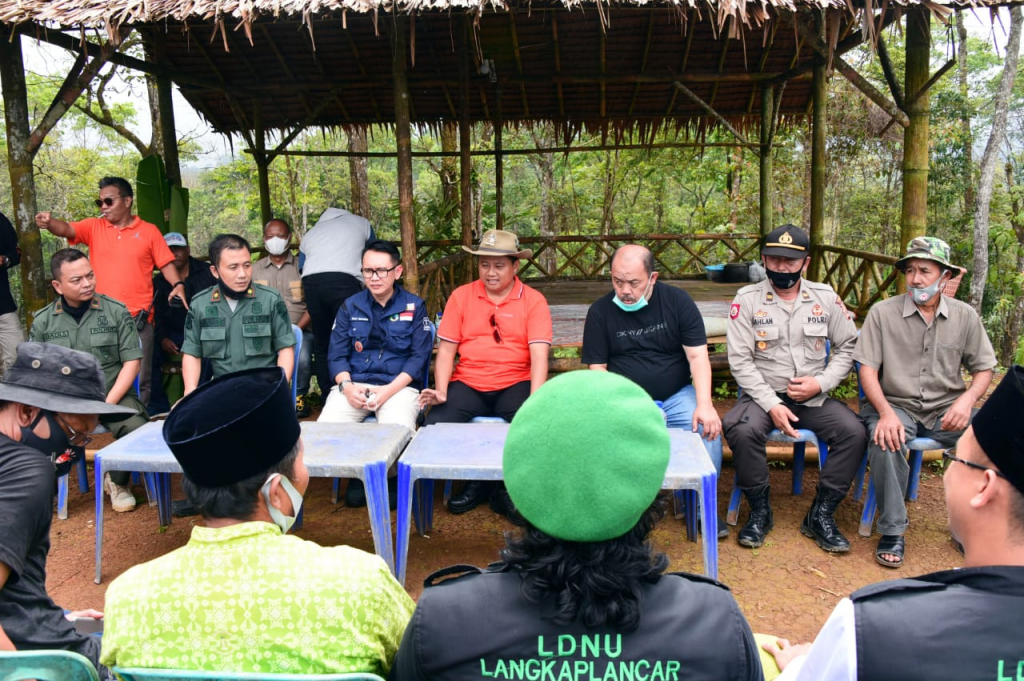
x=283, y=521
x=922, y=296
x=640, y=303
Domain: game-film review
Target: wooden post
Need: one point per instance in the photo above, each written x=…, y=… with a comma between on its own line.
x=465, y=160
x=403, y=139
x=766, y=159
x=19, y=163
x=914, y=219
x=818, y=130
x=499, y=171
x=262, y=165
x=164, y=87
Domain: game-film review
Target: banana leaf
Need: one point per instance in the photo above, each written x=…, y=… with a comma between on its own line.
x=179, y=209
x=152, y=192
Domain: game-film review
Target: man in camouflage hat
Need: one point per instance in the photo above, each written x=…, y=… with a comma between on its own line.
x=911, y=350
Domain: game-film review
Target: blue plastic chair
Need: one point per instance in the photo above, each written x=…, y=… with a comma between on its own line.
x=138, y=674
x=916, y=447
x=295, y=367
x=46, y=665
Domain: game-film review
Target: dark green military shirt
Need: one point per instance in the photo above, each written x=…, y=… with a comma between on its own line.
x=106, y=331
x=248, y=338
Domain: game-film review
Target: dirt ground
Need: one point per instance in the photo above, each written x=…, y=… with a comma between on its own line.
x=788, y=587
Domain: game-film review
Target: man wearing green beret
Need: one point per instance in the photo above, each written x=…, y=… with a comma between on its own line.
x=579, y=593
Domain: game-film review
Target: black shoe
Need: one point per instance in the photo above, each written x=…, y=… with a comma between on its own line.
x=820, y=524
x=355, y=495
x=760, y=522
x=181, y=508
x=500, y=502
x=473, y=494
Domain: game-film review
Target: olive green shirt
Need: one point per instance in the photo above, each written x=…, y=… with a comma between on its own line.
x=285, y=279
x=248, y=338
x=919, y=363
x=107, y=332
x=769, y=343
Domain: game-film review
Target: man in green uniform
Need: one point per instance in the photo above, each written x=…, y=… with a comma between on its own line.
x=81, y=319
x=236, y=324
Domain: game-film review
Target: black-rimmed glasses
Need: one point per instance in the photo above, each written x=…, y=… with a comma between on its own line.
x=494, y=326
x=379, y=272
x=76, y=439
x=108, y=202
x=950, y=455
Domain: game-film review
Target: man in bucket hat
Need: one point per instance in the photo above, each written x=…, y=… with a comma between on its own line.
x=501, y=330
x=48, y=398
x=242, y=596
x=955, y=624
x=580, y=593
x=911, y=350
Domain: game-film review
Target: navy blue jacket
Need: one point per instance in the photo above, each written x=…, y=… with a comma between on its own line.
x=375, y=344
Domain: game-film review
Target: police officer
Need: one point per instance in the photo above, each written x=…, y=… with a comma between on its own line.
x=81, y=319
x=778, y=334
x=236, y=324
x=956, y=624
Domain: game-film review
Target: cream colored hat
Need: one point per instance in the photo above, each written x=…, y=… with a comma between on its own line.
x=498, y=242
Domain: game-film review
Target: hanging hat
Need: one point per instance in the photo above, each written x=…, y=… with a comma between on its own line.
x=926, y=248
x=57, y=379
x=586, y=455
x=998, y=428
x=787, y=241
x=233, y=427
x=498, y=242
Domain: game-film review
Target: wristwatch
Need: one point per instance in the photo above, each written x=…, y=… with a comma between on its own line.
x=341, y=386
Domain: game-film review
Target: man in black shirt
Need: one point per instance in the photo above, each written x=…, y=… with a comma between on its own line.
x=653, y=334
x=49, y=398
x=11, y=331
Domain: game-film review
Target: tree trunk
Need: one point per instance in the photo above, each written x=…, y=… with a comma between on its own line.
x=19, y=162
x=914, y=214
x=545, y=170
x=1015, y=320
x=989, y=159
x=449, y=169
x=965, y=113
x=357, y=173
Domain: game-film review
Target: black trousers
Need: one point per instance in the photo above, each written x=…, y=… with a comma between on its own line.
x=747, y=425
x=325, y=292
x=465, y=403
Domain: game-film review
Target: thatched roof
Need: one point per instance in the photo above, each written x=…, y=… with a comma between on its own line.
x=576, y=63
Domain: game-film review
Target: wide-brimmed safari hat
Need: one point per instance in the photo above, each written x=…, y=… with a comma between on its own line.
x=498, y=242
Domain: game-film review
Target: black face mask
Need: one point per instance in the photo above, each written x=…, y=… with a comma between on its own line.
x=782, y=280
x=230, y=292
x=56, y=447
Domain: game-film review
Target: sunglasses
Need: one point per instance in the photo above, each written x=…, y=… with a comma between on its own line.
x=76, y=439
x=950, y=455
x=108, y=202
x=494, y=326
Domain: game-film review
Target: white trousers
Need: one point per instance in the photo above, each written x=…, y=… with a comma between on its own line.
x=401, y=408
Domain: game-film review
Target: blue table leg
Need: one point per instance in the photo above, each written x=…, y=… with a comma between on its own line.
x=83, y=476
x=403, y=521
x=709, y=520
x=690, y=497
x=98, y=466
x=799, y=451
x=423, y=505
x=62, y=497
x=375, y=479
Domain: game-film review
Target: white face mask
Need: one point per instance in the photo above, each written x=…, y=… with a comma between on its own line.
x=283, y=521
x=276, y=245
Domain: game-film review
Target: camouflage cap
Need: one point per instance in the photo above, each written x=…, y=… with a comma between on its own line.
x=927, y=248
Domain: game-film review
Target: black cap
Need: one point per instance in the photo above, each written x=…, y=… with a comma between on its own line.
x=787, y=241
x=998, y=427
x=233, y=427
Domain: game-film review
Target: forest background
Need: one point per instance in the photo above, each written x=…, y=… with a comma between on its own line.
x=677, y=191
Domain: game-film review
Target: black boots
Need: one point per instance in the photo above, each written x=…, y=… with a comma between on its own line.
x=473, y=494
x=760, y=522
x=820, y=525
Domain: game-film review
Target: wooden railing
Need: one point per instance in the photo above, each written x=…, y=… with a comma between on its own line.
x=860, y=278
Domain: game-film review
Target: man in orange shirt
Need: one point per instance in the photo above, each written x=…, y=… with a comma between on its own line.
x=501, y=330
x=124, y=251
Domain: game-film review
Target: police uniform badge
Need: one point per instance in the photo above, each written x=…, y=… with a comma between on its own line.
x=257, y=344
x=211, y=311
x=760, y=314
x=358, y=346
x=804, y=295
x=257, y=307
x=817, y=311
x=393, y=318
x=215, y=297
x=762, y=334
x=102, y=320
x=769, y=297
x=761, y=345
x=818, y=344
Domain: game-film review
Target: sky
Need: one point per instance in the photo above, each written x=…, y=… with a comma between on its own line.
x=53, y=62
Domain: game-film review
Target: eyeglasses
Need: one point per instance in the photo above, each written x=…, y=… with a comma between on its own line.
x=108, y=202
x=950, y=455
x=77, y=439
x=379, y=272
x=494, y=326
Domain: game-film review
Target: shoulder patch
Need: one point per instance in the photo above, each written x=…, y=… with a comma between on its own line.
x=452, y=573
x=734, y=311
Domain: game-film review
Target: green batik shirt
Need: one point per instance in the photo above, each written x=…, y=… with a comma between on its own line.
x=107, y=332
x=248, y=338
x=245, y=598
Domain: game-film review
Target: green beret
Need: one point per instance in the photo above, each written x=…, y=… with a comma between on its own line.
x=586, y=455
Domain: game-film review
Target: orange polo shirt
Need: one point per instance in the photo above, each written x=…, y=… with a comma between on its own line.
x=485, y=364
x=124, y=259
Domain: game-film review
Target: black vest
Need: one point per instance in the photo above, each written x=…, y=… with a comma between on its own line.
x=479, y=627
x=957, y=624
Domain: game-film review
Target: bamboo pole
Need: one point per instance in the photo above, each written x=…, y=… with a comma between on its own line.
x=499, y=168
x=521, y=152
x=819, y=122
x=262, y=165
x=465, y=156
x=765, y=184
x=914, y=218
x=403, y=139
